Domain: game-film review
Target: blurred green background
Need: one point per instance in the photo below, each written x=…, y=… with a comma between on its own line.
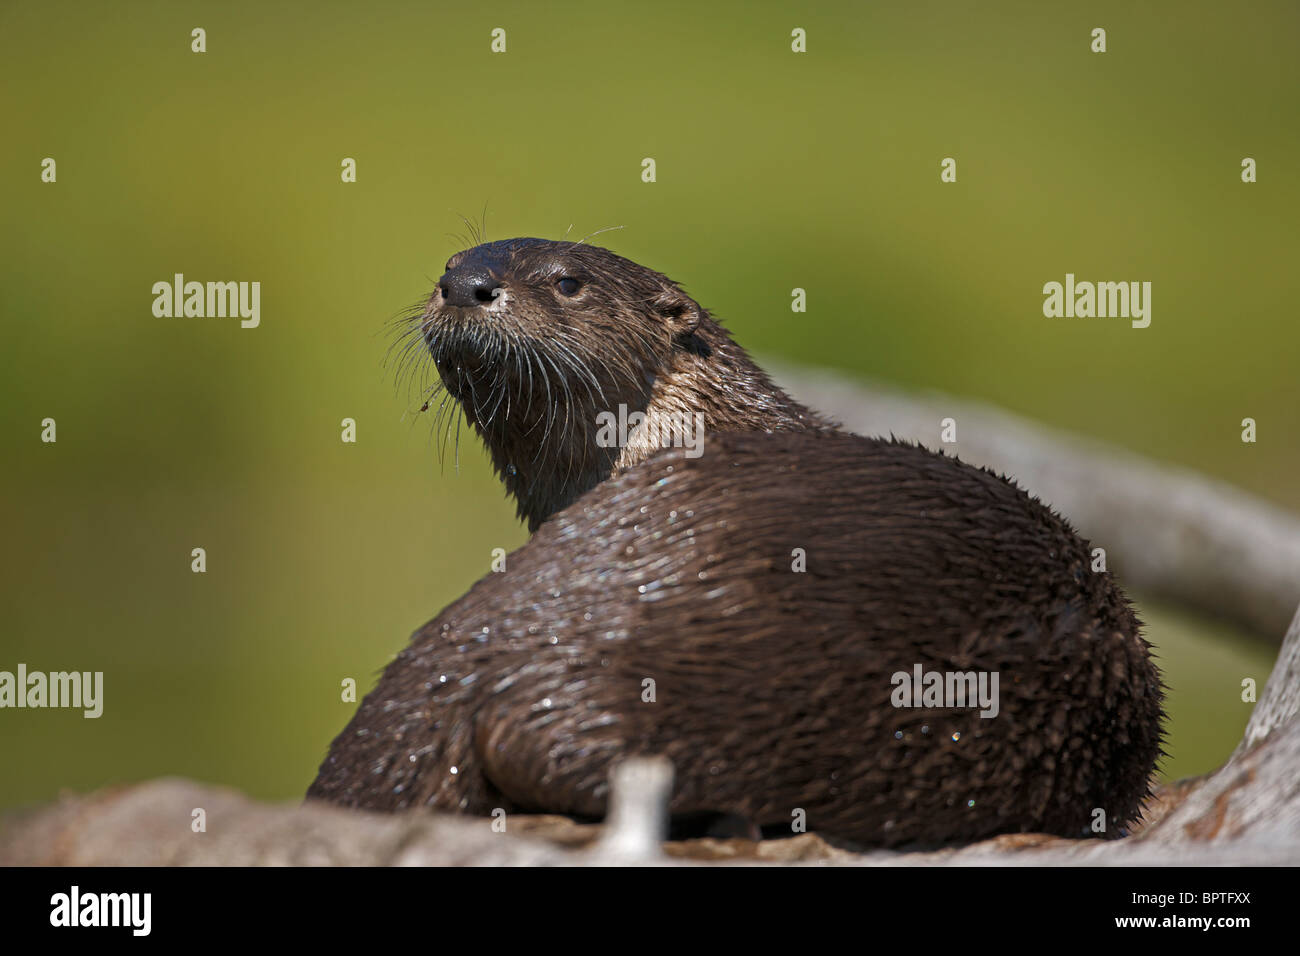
x=775, y=170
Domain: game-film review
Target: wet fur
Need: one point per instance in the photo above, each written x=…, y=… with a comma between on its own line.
x=773, y=687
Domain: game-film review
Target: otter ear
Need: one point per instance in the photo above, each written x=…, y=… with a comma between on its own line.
x=679, y=311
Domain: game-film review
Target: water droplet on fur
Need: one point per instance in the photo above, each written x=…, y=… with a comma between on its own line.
x=956, y=736
x=970, y=803
x=898, y=735
x=511, y=470
x=455, y=770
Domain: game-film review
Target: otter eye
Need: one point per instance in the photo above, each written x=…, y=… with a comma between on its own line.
x=568, y=286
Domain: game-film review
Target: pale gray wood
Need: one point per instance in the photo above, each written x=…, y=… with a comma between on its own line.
x=1280, y=700
x=1168, y=532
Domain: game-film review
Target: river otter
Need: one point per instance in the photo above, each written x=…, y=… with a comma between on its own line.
x=768, y=616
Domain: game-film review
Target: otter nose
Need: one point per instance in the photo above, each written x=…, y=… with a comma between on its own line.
x=468, y=286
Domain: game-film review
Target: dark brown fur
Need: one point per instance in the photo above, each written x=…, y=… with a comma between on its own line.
x=533, y=371
x=773, y=686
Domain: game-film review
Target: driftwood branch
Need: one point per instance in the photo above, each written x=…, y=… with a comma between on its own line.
x=1280, y=702
x=1167, y=532
x=1246, y=813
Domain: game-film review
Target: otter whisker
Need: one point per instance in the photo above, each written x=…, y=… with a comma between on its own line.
x=598, y=232
x=577, y=365
x=552, y=405
x=443, y=423
x=456, y=444
x=412, y=357
x=528, y=361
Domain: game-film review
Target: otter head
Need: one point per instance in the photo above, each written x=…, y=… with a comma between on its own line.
x=553, y=348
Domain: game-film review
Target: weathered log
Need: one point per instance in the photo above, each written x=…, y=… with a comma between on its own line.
x=1168, y=532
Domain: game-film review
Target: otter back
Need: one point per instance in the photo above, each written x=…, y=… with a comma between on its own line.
x=664, y=612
